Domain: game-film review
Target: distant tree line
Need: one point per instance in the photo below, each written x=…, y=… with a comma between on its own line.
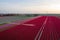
x=28, y=15
x=8, y=14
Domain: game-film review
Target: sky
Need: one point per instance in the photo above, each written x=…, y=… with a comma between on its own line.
x=29, y=6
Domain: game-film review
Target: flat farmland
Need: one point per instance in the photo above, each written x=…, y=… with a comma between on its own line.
x=9, y=19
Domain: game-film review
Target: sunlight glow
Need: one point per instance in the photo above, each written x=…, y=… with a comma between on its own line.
x=56, y=6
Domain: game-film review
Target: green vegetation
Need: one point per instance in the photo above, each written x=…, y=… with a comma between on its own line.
x=3, y=24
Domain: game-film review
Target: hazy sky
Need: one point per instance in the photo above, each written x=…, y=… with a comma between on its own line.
x=29, y=6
